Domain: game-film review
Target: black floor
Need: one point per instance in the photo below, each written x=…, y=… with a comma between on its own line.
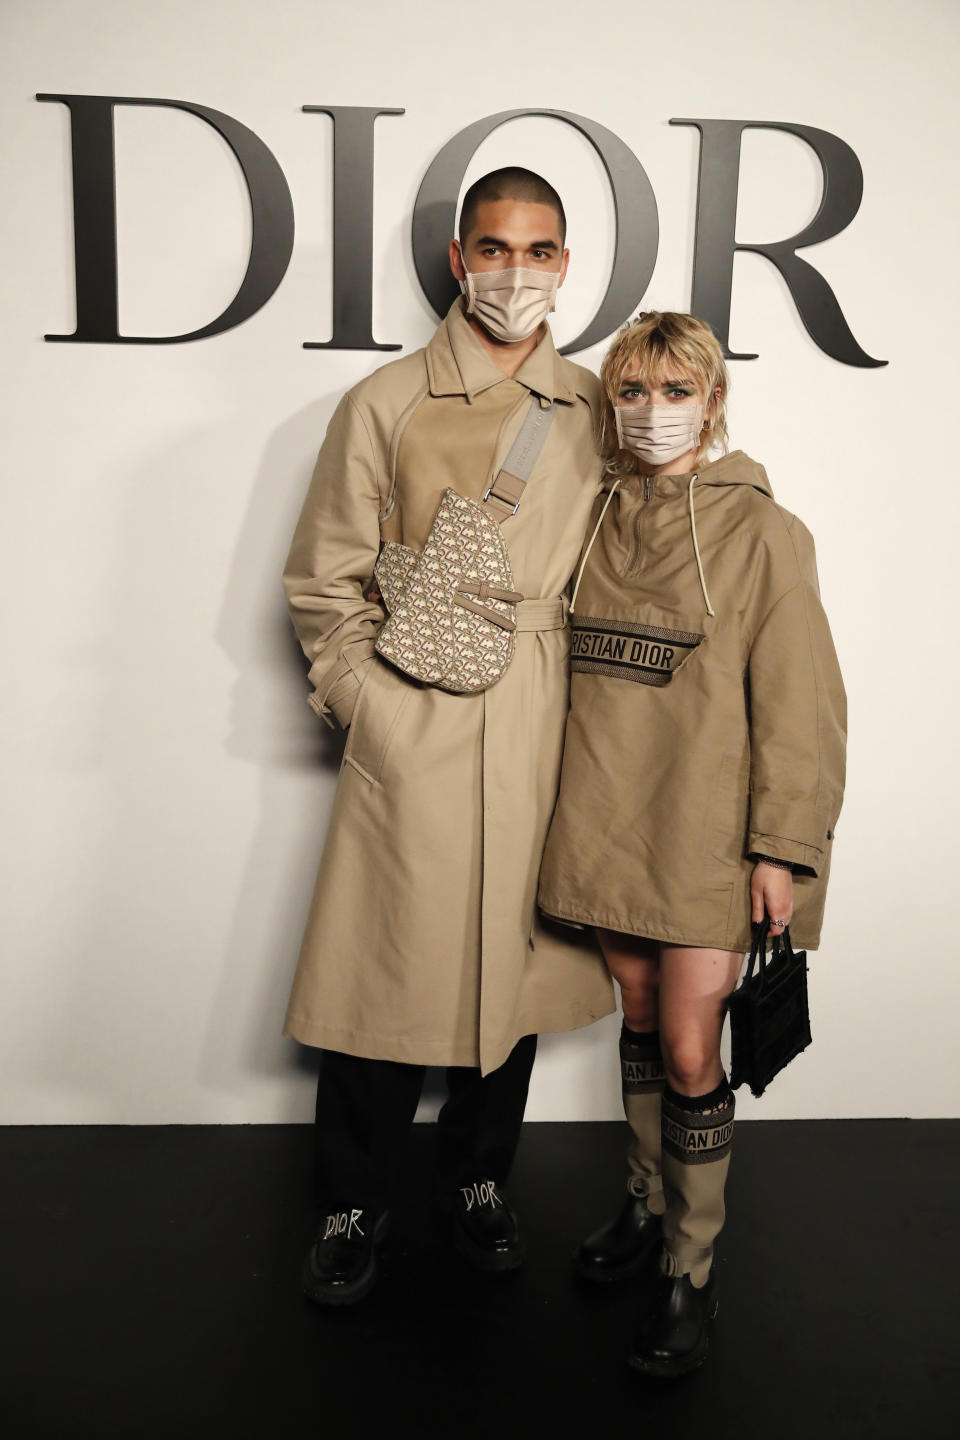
x=150, y=1289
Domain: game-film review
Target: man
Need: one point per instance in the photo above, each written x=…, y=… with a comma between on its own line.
x=424, y=945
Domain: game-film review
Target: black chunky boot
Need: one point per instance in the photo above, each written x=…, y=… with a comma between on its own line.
x=672, y=1339
x=341, y=1264
x=623, y=1246
x=485, y=1229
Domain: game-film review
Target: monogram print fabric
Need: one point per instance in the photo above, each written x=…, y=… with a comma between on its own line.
x=428, y=635
x=394, y=571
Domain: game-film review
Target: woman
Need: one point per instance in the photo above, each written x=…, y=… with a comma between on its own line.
x=702, y=779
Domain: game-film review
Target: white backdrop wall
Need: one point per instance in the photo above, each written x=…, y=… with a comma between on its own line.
x=165, y=787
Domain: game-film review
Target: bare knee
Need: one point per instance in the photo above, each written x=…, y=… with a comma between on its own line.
x=692, y=1064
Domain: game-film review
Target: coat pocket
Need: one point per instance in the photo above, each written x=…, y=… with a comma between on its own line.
x=379, y=706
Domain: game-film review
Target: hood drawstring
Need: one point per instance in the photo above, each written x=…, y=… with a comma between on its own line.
x=586, y=556
x=693, y=531
x=696, y=547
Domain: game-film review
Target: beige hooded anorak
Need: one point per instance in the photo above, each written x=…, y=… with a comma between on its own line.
x=697, y=740
x=423, y=942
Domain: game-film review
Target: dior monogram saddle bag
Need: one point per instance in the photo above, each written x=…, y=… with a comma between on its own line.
x=451, y=606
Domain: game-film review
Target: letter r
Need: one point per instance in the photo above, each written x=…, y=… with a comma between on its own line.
x=716, y=242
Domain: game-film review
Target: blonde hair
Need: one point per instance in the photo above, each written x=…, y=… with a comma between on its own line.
x=664, y=345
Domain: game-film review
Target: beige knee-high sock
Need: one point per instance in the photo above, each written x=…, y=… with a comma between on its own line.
x=697, y=1133
x=641, y=1069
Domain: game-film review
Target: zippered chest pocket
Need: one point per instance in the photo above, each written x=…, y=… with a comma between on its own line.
x=629, y=650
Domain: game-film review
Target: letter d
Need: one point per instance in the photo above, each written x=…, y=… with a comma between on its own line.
x=95, y=219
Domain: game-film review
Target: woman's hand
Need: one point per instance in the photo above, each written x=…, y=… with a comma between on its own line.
x=771, y=891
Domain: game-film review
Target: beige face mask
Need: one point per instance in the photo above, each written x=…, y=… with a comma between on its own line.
x=511, y=304
x=659, y=433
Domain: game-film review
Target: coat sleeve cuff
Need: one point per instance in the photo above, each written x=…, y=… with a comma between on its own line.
x=339, y=696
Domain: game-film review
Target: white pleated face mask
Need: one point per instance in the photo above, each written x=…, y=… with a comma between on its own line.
x=511, y=304
x=659, y=433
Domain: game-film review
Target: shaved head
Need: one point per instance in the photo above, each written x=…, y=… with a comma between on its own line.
x=510, y=183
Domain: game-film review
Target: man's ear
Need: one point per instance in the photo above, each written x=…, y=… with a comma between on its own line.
x=563, y=268
x=456, y=261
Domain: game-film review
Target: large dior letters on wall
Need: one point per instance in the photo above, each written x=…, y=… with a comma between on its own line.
x=635, y=206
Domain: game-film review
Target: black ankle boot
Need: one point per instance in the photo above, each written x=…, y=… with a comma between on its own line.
x=485, y=1229
x=623, y=1246
x=672, y=1338
x=341, y=1264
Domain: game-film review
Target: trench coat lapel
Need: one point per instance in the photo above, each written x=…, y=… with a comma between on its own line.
x=457, y=364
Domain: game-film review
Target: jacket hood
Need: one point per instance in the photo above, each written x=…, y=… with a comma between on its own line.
x=734, y=469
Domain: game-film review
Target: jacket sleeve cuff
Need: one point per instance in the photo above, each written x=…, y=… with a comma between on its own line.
x=789, y=830
x=805, y=859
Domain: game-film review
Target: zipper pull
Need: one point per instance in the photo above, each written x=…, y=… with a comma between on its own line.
x=646, y=487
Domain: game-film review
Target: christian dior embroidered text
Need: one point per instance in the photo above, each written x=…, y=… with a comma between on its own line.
x=696, y=1138
x=689, y=1140
x=649, y=654
x=638, y=1074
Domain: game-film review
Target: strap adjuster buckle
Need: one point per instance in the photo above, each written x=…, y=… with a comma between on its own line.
x=500, y=500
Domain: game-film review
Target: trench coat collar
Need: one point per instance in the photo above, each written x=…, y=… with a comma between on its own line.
x=457, y=364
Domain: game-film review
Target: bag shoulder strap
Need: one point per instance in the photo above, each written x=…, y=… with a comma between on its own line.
x=505, y=491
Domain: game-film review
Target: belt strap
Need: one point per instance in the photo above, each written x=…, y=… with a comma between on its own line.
x=504, y=493
x=542, y=614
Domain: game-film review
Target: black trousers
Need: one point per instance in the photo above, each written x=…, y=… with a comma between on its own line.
x=365, y=1109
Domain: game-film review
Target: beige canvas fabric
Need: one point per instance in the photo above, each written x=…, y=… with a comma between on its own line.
x=642, y=1079
x=696, y=1159
x=423, y=942
x=697, y=740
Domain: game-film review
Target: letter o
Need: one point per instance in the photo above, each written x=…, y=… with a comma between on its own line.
x=634, y=204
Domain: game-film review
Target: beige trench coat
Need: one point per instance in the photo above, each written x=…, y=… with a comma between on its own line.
x=423, y=942
x=697, y=740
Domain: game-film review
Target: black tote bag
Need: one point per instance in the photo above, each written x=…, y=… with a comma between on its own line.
x=769, y=1015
